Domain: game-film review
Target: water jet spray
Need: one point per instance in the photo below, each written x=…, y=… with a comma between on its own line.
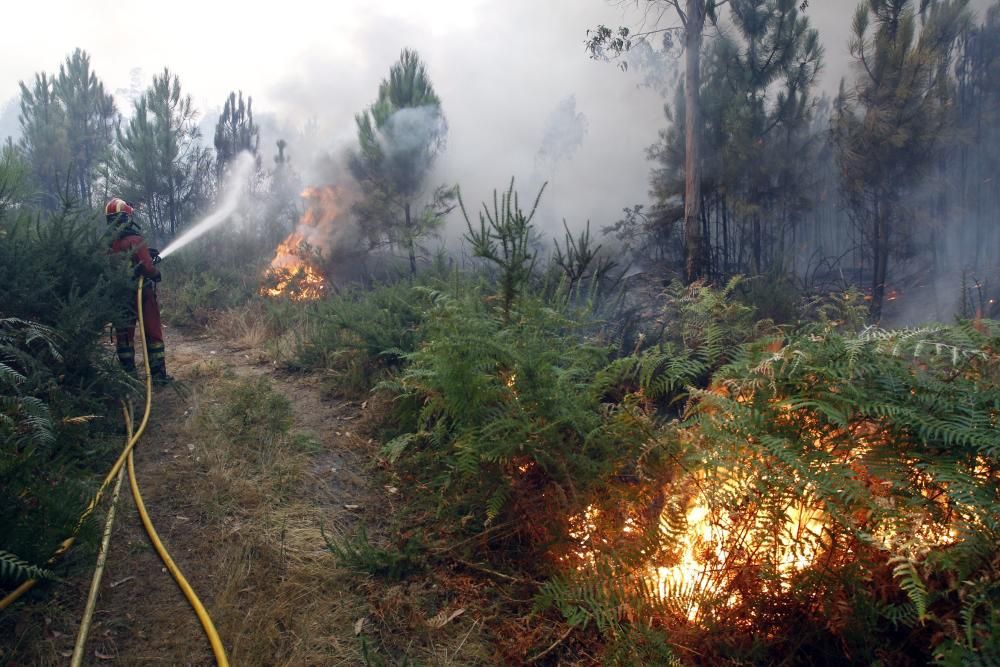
x=234, y=190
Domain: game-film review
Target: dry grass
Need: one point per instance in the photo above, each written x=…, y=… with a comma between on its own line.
x=285, y=599
x=282, y=599
x=246, y=326
x=262, y=336
x=240, y=472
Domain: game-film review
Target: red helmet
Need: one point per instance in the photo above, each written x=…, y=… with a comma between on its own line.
x=118, y=212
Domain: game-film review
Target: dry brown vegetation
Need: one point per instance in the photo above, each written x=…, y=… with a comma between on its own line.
x=243, y=471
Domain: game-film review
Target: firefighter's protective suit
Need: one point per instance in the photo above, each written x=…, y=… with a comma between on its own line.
x=127, y=238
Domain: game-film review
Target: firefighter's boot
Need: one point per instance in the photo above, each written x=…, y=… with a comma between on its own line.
x=158, y=364
x=158, y=374
x=126, y=354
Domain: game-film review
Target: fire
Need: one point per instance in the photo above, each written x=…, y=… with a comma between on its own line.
x=294, y=276
x=715, y=551
x=718, y=545
x=295, y=269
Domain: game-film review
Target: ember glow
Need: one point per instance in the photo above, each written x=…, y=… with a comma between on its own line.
x=295, y=271
x=720, y=543
x=712, y=551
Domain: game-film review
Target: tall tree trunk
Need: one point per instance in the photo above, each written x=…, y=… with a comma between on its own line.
x=694, y=260
x=706, y=237
x=880, y=246
x=172, y=208
x=726, y=261
x=757, y=263
x=409, y=240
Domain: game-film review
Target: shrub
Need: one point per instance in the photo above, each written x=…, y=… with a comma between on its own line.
x=211, y=275
x=750, y=492
x=58, y=382
x=360, y=334
x=838, y=492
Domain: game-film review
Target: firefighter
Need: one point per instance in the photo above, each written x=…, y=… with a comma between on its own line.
x=128, y=238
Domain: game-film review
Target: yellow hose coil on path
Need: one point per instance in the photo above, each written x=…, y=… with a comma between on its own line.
x=127, y=454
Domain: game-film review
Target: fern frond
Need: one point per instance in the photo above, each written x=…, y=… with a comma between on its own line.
x=904, y=571
x=14, y=569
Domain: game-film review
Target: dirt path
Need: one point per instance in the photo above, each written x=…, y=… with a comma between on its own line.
x=241, y=516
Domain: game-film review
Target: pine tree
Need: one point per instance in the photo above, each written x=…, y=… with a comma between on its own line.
x=400, y=135
x=160, y=160
x=977, y=158
x=90, y=118
x=692, y=15
x=235, y=132
x=43, y=136
x=888, y=126
x=283, y=189
x=756, y=108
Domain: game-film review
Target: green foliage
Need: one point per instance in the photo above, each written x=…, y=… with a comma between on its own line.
x=219, y=272
x=891, y=436
x=57, y=381
x=756, y=107
x=360, y=334
x=43, y=132
x=235, y=132
x=773, y=297
x=359, y=554
x=196, y=296
x=705, y=326
x=16, y=570
x=580, y=260
x=13, y=178
x=889, y=127
x=67, y=124
x=531, y=446
x=400, y=136
x=159, y=159
x=91, y=119
x=905, y=572
x=492, y=412
x=504, y=240
x=253, y=408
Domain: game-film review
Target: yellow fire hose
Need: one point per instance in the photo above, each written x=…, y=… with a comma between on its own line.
x=127, y=453
x=95, y=583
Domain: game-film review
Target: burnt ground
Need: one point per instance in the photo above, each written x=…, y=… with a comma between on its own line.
x=242, y=522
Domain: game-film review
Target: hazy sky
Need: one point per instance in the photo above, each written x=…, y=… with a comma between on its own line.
x=501, y=67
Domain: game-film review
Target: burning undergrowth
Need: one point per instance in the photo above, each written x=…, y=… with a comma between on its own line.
x=735, y=495
x=306, y=262
x=824, y=487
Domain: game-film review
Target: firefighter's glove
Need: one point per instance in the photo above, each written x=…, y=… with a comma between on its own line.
x=155, y=255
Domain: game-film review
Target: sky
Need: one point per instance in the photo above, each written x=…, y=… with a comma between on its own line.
x=510, y=74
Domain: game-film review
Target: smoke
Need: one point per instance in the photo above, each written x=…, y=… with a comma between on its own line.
x=410, y=139
x=564, y=133
x=498, y=67
x=234, y=192
x=325, y=225
x=499, y=75
x=413, y=130
x=10, y=126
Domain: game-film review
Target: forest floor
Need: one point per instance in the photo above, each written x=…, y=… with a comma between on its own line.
x=245, y=522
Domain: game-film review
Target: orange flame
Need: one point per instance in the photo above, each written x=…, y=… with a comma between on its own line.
x=710, y=555
x=295, y=268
